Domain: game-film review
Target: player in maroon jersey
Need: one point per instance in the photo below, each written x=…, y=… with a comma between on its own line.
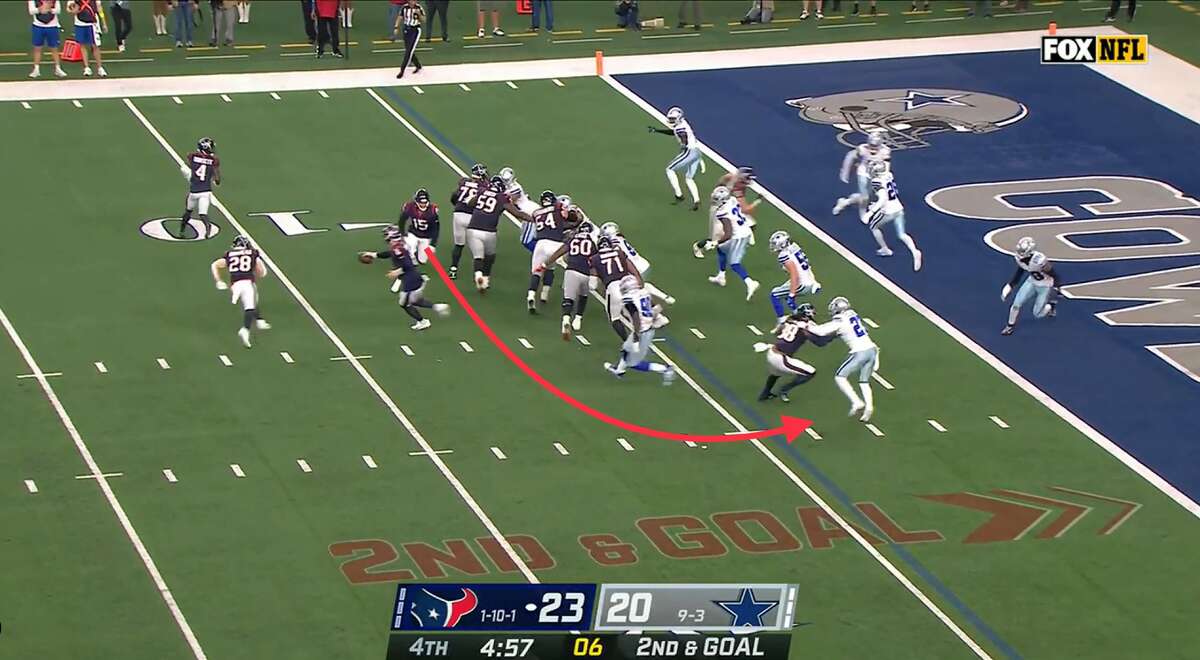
x=405, y=272
x=578, y=251
x=419, y=220
x=203, y=170
x=245, y=267
x=610, y=263
x=463, y=201
x=491, y=203
x=551, y=222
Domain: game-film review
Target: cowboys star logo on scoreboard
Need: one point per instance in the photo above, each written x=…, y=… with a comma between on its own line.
x=1122, y=49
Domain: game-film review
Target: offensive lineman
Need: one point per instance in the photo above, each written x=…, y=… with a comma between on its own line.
x=610, y=263
x=463, y=201
x=790, y=336
x=550, y=222
x=578, y=251
x=886, y=208
x=688, y=160
x=202, y=169
x=860, y=158
x=1040, y=285
x=801, y=280
x=245, y=267
x=863, y=359
x=405, y=273
x=642, y=264
x=732, y=233
x=490, y=203
x=640, y=311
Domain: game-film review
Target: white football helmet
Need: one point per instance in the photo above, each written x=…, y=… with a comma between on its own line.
x=674, y=115
x=1025, y=246
x=565, y=201
x=778, y=241
x=838, y=305
x=719, y=195
x=877, y=168
x=875, y=138
x=610, y=230
x=507, y=176
x=628, y=284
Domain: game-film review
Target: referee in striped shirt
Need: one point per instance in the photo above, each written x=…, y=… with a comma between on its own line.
x=411, y=18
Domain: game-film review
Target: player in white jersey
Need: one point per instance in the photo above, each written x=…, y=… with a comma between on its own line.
x=641, y=313
x=688, y=160
x=859, y=159
x=801, y=280
x=640, y=262
x=731, y=232
x=886, y=209
x=1041, y=284
x=516, y=193
x=863, y=359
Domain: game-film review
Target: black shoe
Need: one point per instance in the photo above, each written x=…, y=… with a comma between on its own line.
x=453, y=269
x=445, y=38
x=338, y=54
x=766, y=396
x=680, y=24
x=678, y=198
x=531, y=305
x=874, y=10
x=320, y=54
x=418, y=69
x=696, y=206
x=399, y=75
x=1008, y=330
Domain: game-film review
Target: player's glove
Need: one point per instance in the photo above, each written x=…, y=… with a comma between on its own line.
x=221, y=285
x=1005, y=291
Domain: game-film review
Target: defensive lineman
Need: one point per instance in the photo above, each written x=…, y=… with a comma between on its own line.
x=463, y=201
x=516, y=192
x=732, y=234
x=245, y=267
x=689, y=158
x=886, y=208
x=863, y=359
x=1040, y=284
x=801, y=280
x=202, y=169
x=859, y=158
x=639, y=310
x=781, y=361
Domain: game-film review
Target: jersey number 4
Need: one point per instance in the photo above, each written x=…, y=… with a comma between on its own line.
x=201, y=172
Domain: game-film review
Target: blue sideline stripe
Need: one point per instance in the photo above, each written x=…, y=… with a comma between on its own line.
x=839, y=494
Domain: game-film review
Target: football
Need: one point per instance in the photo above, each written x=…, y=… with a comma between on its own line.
x=366, y=257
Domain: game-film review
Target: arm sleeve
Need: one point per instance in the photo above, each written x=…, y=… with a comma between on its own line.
x=1015, y=278
x=823, y=330
x=383, y=254
x=664, y=131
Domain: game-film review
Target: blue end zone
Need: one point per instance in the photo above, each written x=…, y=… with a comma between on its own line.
x=1078, y=124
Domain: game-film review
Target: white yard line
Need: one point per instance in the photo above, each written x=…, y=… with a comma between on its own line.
x=466, y=347
x=101, y=368
x=237, y=470
x=76, y=103
x=31, y=486
x=418, y=89
x=524, y=342
x=583, y=340
x=323, y=94
x=837, y=518
x=304, y=466
x=44, y=374
x=287, y=357
x=151, y=567
x=624, y=444
x=436, y=451
x=561, y=449
x=557, y=82
x=813, y=433
x=102, y=475
x=873, y=325
x=225, y=360
x=225, y=98
x=696, y=331
x=845, y=25
x=275, y=95
x=754, y=329
x=407, y=351
x=177, y=100
x=874, y=430
x=170, y=475
x=369, y=461
x=936, y=426
x=464, y=87
x=374, y=385
x=344, y=358
x=998, y=422
x=499, y=454
x=25, y=104
x=882, y=381
x=512, y=84
x=163, y=364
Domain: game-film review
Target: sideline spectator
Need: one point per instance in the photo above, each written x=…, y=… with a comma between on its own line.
x=347, y=12
x=412, y=17
x=158, y=12
x=817, y=3
x=482, y=7
x=695, y=5
x=1116, y=7
x=45, y=34
x=326, y=14
x=627, y=14
x=761, y=11
x=437, y=7
x=243, y=10
x=124, y=21
x=310, y=27
x=183, y=23
x=924, y=8
x=87, y=33
x=984, y=6
x=222, y=13
x=854, y=12
x=548, y=5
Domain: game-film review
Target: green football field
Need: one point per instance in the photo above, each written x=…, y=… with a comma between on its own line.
x=169, y=494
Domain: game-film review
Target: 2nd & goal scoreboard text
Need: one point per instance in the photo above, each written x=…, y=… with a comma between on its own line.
x=561, y=621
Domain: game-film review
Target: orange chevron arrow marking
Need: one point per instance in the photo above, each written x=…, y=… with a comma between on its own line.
x=1127, y=508
x=1071, y=512
x=1009, y=522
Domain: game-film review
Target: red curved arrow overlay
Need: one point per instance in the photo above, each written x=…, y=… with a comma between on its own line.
x=790, y=427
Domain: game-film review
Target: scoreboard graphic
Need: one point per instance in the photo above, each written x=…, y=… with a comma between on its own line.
x=551, y=621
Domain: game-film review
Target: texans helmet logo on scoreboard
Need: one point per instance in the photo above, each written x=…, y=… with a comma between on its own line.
x=907, y=115
x=433, y=611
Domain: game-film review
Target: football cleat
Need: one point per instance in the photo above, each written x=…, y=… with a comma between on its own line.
x=421, y=325
x=566, y=328
x=670, y=300
x=783, y=396
x=718, y=279
x=577, y=323
x=262, y=324
x=1008, y=330
x=668, y=376
x=244, y=335
x=916, y=260
x=884, y=252
x=612, y=369
x=441, y=309
x=855, y=409
x=866, y=414
x=479, y=280
x=698, y=249
x=766, y=396
x=678, y=198
x=531, y=303
x=841, y=205
x=751, y=287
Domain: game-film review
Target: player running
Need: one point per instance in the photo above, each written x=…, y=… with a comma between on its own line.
x=731, y=233
x=405, y=272
x=863, y=359
x=556, y=216
x=689, y=158
x=886, y=208
x=1041, y=284
x=801, y=280
x=202, y=169
x=738, y=182
x=577, y=252
x=420, y=224
x=516, y=193
x=639, y=310
x=641, y=263
x=490, y=203
x=790, y=336
x=245, y=267
x=859, y=158
x=463, y=201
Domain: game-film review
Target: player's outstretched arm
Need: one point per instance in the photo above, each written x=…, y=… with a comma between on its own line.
x=664, y=131
x=1011, y=283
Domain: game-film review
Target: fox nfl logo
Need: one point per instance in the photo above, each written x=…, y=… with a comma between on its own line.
x=1125, y=49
